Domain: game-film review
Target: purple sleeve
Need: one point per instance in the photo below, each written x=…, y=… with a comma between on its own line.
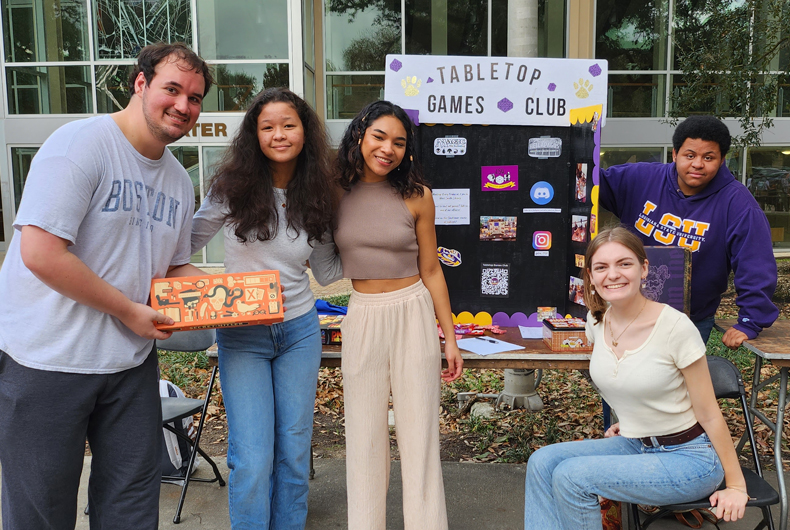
x=754, y=267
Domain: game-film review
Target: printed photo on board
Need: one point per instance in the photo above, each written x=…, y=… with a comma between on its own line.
x=576, y=290
x=579, y=228
x=581, y=182
x=497, y=228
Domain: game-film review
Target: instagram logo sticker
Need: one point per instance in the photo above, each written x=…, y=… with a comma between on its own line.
x=541, y=240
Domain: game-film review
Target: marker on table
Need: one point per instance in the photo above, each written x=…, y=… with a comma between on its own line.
x=492, y=341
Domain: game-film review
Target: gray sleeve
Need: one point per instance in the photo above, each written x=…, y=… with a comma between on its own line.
x=325, y=262
x=208, y=220
x=183, y=253
x=57, y=197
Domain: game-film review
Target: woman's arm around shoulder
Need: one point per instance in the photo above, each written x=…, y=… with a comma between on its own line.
x=432, y=276
x=325, y=261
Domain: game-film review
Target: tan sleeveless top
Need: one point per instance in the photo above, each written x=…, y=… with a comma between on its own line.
x=376, y=233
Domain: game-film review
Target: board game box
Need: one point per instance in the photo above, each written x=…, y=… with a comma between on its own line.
x=565, y=335
x=330, y=328
x=218, y=300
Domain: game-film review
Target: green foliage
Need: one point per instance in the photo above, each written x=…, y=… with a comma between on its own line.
x=727, y=51
x=337, y=299
x=184, y=369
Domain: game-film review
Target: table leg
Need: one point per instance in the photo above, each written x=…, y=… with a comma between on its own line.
x=778, y=448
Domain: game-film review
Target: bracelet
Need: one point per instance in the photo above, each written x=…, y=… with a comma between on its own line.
x=737, y=489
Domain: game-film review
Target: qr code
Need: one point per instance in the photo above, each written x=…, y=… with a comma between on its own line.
x=495, y=281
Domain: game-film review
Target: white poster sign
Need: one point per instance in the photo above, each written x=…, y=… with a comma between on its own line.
x=452, y=206
x=496, y=90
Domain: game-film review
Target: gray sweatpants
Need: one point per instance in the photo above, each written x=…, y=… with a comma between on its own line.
x=45, y=418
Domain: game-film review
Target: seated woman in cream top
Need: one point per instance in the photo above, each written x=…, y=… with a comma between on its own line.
x=671, y=444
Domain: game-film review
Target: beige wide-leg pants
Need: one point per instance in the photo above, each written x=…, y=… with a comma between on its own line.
x=390, y=342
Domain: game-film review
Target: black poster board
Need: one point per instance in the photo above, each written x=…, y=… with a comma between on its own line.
x=499, y=272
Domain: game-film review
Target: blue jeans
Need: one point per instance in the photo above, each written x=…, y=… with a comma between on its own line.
x=704, y=327
x=269, y=376
x=564, y=480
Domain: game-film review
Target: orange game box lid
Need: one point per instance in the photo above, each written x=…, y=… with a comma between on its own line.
x=218, y=300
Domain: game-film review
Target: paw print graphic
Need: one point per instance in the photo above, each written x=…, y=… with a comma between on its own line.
x=583, y=88
x=411, y=85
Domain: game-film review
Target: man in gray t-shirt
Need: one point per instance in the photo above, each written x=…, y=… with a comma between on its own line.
x=106, y=208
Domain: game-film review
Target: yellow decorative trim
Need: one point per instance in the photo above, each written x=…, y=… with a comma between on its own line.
x=585, y=114
x=480, y=319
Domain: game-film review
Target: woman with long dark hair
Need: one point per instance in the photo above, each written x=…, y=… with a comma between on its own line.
x=671, y=444
x=387, y=241
x=272, y=194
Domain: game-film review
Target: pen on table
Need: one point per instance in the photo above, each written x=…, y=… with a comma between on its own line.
x=487, y=340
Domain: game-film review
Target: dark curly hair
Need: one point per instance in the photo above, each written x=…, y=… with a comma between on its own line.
x=407, y=178
x=708, y=128
x=243, y=180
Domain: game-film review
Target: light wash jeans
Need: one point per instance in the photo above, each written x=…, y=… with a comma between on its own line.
x=269, y=376
x=564, y=480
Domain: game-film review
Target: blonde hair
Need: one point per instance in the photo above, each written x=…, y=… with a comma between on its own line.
x=618, y=234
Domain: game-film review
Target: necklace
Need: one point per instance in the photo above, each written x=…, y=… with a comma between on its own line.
x=611, y=331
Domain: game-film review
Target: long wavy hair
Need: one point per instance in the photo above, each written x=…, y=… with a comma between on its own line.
x=407, y=178
x=618, y=234
x=243, y=180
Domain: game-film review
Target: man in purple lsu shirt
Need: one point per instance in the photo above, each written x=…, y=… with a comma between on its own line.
x=696, y=203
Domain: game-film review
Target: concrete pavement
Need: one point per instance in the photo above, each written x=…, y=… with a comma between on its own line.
x=479, y=497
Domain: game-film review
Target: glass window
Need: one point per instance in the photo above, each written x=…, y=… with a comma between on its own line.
x=308, y=31
x=123, y=27
x=446, y=27
x=112, y=87
x=348, y=94
x=632, y=34
x=551, y=28
x=708, y=97
x=238, y=84
x=21, y=157
x=359, y=36
x=49, y=90
x=636, y=95
x=783, y=96
x=243, y=29
x=613, y=156
x=215, y=249
x=37, y=30
x=768, y=178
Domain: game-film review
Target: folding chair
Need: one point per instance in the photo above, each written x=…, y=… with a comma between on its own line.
x=727, y=384
x=174, y=409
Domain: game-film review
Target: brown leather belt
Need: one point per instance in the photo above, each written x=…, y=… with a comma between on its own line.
x=674, y=439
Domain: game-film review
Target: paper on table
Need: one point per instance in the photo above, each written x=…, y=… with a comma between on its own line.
x=487, y=345
x=531, y=333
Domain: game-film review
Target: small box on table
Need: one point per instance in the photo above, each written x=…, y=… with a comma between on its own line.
x=218, y=300
x=565, y=335
x=330, y=328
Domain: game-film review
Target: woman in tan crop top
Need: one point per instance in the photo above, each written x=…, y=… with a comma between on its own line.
x=387, y=244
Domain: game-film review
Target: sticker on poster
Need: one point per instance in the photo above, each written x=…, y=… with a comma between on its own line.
x=498, y=228
x=545, y=312
x=579, y=228
x=449, y=146
x=541, y=193
x=576, y=291
x=499, y=178
x=579, y=260
x=581, y=182
x=449, y=256
x=544, y=147
x=495, y=280
x=541, y=242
